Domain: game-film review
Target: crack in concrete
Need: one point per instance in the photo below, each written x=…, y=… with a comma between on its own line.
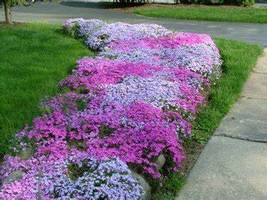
x=256, y=98
x=258, y=72
x=242, y=138
x=241, y=121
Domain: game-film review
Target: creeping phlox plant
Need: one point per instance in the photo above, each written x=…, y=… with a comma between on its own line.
x=98, y=34
x=125, y=82
x=137, y=133
x=74, y=176
x=195, y=52
x=125, y=108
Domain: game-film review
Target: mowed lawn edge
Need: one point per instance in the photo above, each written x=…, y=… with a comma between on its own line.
x=238, y=60
x=205, y=13
x=33, y=59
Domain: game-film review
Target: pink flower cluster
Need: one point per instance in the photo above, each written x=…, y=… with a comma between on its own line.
x=132, y=103
x=160, y=86
x=195, y=52
x=137, y=133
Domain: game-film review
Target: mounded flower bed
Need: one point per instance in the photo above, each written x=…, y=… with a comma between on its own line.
x=126, y=112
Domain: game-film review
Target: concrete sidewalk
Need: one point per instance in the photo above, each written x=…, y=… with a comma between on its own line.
x=233, y=165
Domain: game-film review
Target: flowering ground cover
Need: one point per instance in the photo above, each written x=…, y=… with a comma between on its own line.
x=123, y=110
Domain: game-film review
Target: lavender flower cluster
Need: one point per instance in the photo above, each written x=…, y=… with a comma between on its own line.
x=126, y=108
x=107, y=179
x=195, y=52
x=76, y=176
x=98, y=34
x=125, y=83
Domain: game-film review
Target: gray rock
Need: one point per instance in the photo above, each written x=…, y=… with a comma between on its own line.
x=147, y=188
x=144, y=184
x=160, y=161
x=26, y=153
x=14, y=176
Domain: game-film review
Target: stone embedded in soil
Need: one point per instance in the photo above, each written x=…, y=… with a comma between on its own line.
x=26, y=153
x=160, y=161
x=14, y=176
x=144, y=184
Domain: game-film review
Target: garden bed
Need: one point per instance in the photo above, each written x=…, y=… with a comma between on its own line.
x=127, y=115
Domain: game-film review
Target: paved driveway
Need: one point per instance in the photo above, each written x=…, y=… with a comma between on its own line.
x=58, y=12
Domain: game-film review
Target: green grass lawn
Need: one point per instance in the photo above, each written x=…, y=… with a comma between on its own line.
x=33, y=59
x=209, y=13
x=239, y=58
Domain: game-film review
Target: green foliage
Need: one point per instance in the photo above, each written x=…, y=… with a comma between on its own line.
x=240, y=2
x=78, y=144
x=208, y=2
x=12, y=3
x=247, y=2
x=173, y=185
x=72, y=32
x=81, y=104
x=75, y=171
x=105, y=131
